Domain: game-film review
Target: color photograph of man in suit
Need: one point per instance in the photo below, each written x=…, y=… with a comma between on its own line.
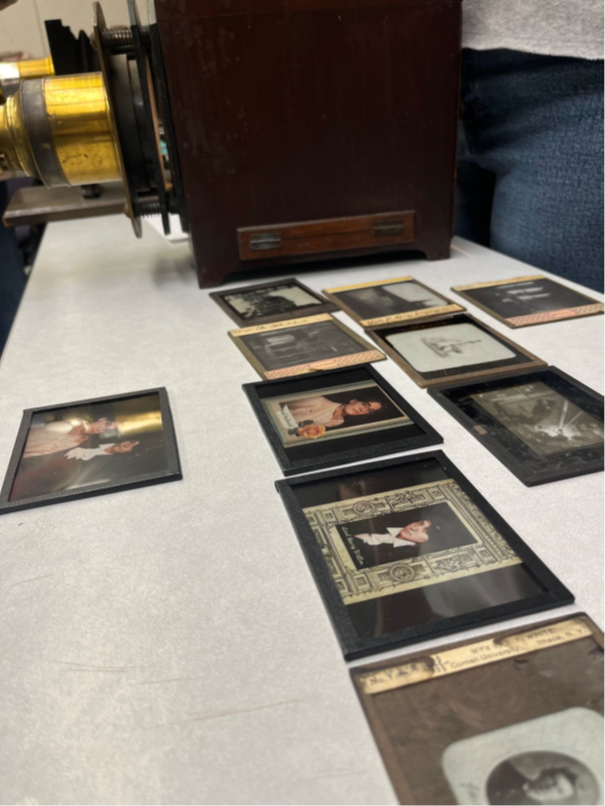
x=98, y=443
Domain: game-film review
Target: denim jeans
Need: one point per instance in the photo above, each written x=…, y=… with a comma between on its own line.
x=530, y=160
x=12, y=278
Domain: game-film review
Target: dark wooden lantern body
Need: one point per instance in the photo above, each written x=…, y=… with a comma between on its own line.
x=313, y=129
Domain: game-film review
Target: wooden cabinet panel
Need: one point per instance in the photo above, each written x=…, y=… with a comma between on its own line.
x=330, y=235
x=308, y=111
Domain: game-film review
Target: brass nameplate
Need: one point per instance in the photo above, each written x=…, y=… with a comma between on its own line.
x=382, y=229
x=265, y=240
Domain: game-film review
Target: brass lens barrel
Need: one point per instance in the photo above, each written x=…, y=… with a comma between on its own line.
x=12, y=73
x=59, y=129
x=35, y=68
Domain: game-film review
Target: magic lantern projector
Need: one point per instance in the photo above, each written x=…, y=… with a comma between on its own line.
x=279, y=131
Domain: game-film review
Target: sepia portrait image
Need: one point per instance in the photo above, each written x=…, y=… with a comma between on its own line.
x=407, y=547
x=267, y=302
x=511, y=717
x=533, y=300
x=409, y=534
x=390, y=301
x=542, y=418
x=303, y=345
x=334, y=413
x=407, y=539
x=555, y=759
x=105, y=443
x=542, y=777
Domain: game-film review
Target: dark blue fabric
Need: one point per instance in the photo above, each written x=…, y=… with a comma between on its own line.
x=530, y=160
x=12, y=277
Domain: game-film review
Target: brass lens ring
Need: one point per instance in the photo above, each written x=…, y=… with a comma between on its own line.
x=59, y=129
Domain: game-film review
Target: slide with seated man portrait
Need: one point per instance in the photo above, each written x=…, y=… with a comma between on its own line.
x=70, y=450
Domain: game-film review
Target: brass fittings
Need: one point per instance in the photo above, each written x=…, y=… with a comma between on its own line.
x=59, y=130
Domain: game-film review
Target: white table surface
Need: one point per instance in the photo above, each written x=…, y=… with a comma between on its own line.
x=168, y=644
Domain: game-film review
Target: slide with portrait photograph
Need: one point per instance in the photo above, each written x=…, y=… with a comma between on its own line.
x=334, y=413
